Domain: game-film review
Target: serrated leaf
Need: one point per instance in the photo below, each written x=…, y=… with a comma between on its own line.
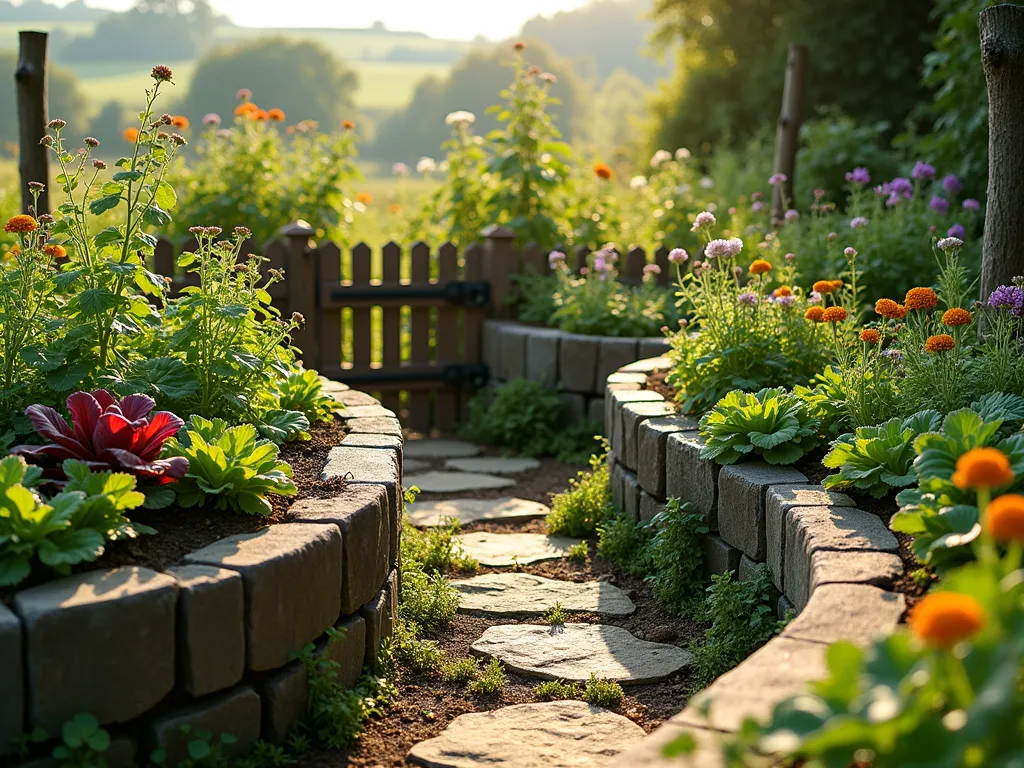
x=165, y=196
x=104, y=204
x=107, y=236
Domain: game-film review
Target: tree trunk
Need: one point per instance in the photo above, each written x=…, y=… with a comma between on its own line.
x=787, y=138
x=30, y=80
x=1002, y=57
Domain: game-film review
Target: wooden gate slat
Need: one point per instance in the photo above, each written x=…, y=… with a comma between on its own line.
x=636, y=260
x=329, y=267
x=446, y=401
x=668, y=272
x=361, y=322
x=391, y=330
x=419, y=400
x=578, y=258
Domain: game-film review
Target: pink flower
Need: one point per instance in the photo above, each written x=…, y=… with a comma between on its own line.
x=678, y=256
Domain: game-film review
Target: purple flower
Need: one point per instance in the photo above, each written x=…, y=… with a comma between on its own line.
x=952, y=184
x=893, y=354
x=747, y=297
x=850, y=252
x=922, y=171
x=792, y=214
x=786, y=301
x=957, y=231
x=556, y=259
x=970, y=204
x=777, y=178
x=815, y=298
x=790, y=256
x=652, y=269
x=599, y=263
x=857, y=222
x=211, y=119
x=859, y=176
x=703, y=219
x=1011, y=296
x=900, y=187
x=678, y=256
x=757, y=207
x=939, y=204
x=723, y=248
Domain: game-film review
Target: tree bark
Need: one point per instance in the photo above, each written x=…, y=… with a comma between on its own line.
x=787, y=138
x=30, y=80
x=1002, y=58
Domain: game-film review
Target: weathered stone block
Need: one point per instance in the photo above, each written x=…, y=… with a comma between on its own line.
x=211, y=628
x=647, y=365
x=690, y=478
x=361, y=513
x=379, y=614
x=652, y=347
x=574, y=407
x=779, y=499
x=880, y=569
x=813, y=529
x=491, y=344
x=542, y=355
x=595, y=410
x=382, y=442
x=367, y=465
x=614, y=353
x=630, y=495
x=719, y=557
x=741, y=501
x=855, y=612
x=624, y=377
x=512, y=343
x=649, y=507
x=236, y=712
x=618, y=400
x=374, y=425
x=366, y=412
x=577, y=363
x=292, y=575
x=12, y=675
x=747, y=568
x=351, y=398
x=616, y=476
x=99, y=642
x=633, y=415
x=783, y=607
x=653, y=436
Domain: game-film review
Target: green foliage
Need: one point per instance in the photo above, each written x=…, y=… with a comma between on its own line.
x=229, y=466
x=579, y=552
x=204, y=751
x=303, y=391
x=434, y=550
x=578, y=510
x=524, y=418
x=69, y=528
x=557, y=690
x=427, y=599
x=411, y=651
x=624, y=543
x=877, y=459
x=556, y=615
x=741, y=622
x=603, y=693
x=675, y=555
x=148, y=31
x=491, y=680
x=773, y=423
x=83, y=743
x=460, y=670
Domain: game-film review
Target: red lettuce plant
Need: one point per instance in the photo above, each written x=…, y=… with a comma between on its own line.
x=107, y=434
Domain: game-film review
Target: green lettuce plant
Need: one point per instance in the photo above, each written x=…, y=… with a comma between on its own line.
x=773, y=423
x=230, y=467
x=876, y=459
x=303, y=391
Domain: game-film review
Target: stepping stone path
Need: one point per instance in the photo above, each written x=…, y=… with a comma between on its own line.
x=561, y=734
x=498, y=550
x=426, y=514
x=524, y=594
x=495, y=464
x=575, y=651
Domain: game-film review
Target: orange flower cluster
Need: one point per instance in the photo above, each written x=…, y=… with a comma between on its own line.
x=602, y=171
x=823, y=287
x=276, y=115
x=131, y=135
x=364, y=197
x=834, y=315
x=21, y=224
x=760, y=267
x=179, y=121
x=921, y=298
x=870, y=336
x=56, y=251
x=956, y=317
x=783, y=290
x=815, y=314
x=890, y=309
x=941, y=342
x=1004, y=518
x=943, y=619
x=982, y=468
x=245, y=108
x=348, y=125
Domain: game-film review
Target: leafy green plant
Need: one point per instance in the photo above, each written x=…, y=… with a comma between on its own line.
x=434, y=550
x=556, y=615
x=557, y=690
x=624, y=543
x=579, y=552
x=675, y=555
x=459, y=670
x=773, y=423
x=603, y=693
x=229, y=466
x=267, y=755
x=413, y=652
x=83, y=743
x=427, y=599
x=578, y=510
x=301, y=390
x=204, y=751
x=876, y=459
x=492, y=679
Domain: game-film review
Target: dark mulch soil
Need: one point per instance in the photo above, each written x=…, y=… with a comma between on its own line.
x=656, y=382
x=180, y=531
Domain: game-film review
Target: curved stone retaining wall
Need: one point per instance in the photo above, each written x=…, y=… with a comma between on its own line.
x=831, y=563
x=576, y=365
x=210, y=642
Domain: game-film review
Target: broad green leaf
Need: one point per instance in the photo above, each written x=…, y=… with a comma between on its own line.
x=104, y=204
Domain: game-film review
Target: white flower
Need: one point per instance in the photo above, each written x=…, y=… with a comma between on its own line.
x=723, y=248
x=702, y=220
x=948, y=244
x=426, y=165
x=460, y=117
x=707, y=182
x=399, y=169
x=682, y=154
x=638, y=182
x=678, y=256
x=659, y=157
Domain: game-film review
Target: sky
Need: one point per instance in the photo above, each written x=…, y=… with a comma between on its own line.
x=448, y=19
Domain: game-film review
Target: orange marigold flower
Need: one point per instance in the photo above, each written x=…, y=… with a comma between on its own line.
x=982, y=468
x=943, y=619
x=276, y=114
x=131, y=135
x=348, y=125
x=941, y=342
x=870, y=336
x=21, y=223
x=245, y=108
x=365, y=198
x=921, y=298
x=956, y=316
x=815, y=314
x=823, y=287
x=56, y=251
x=890, y=309
x=15, y=250
x=837, y=285
x=395, y=208
x=834, y=315
x=783, y=290
x=179, y=121
x=760, y=267
x=602, y=170
x=259, y=115
x=1004, y=518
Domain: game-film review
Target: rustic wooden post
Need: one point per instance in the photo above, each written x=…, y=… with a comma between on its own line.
x=787, y=137
x=302, y=281
x=30, y=80
x=500, y=264
x=1002, y=58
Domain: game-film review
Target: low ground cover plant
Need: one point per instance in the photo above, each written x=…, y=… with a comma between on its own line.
x=578, y=510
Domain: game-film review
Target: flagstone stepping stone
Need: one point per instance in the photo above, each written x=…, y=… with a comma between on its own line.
x=559, y=734
x=575, y=651
x=414, y=465
x=425, y=514
x=527, y=594
x=499, y=465
x=505, y=549
x=455, y=482
x=439, y=449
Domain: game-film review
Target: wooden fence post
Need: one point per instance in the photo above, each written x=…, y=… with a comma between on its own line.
x=787, y=137
x=302, y=282
x=30, y=80
x=1002, y=58
x=500, y=263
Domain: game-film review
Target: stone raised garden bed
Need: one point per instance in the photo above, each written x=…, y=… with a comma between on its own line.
x=832, y=564
x=209, y=642
x=576, y=365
